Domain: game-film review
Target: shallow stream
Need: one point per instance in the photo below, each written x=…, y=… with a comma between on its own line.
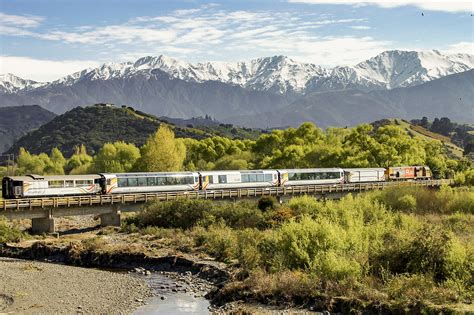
x=172, y=296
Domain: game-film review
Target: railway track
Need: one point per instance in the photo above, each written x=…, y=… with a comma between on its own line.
x=128, y=199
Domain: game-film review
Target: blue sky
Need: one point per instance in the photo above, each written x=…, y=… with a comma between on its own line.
x=44, y=40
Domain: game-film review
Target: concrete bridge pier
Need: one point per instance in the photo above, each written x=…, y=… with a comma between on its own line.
x=111, y=218
x=42, y=225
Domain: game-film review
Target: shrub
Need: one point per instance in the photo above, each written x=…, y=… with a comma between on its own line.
x=267, y=202
x=430, y=250
x=182, y=214
x=407, y=203
x=304, y=205
x=218, y=240
x=8, y=233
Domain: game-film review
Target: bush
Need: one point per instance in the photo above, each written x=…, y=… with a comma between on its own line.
x=267, y=202
x=218, y=240
x=8, y=233
x=429, y=250
x=182, y=214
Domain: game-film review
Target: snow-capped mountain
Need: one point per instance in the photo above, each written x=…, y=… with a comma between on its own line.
x=10, y=83
x=278, y=74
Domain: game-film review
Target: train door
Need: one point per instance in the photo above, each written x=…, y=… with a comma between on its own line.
x=6, y=190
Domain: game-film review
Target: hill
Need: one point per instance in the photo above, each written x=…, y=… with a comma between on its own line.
x=98, y=124
x=420, y=132
x=16, y=121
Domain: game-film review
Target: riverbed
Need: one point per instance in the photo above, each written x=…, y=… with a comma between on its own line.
x=31, y=287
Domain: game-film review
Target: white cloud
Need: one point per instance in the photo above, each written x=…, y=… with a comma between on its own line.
x=360, y=27
x=20, y=20
x=40, y=69
x=461, y=47
x=433, y=5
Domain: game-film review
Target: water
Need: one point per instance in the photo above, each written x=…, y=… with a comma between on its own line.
x=175, y=302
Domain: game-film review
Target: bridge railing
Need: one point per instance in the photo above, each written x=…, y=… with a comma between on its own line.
x=97, y=200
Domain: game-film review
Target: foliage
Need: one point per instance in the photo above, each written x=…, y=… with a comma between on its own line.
x=162, y=152
x=117, y=157
x=422, y=201
x=8, y=233
x=370, y=247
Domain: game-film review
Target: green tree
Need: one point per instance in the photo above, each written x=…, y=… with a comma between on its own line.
x=56, y=163
x=162, y=152
x=115, y=157
x=79, y=162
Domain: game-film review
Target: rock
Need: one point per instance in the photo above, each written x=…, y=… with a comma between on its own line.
x=138, y=300
x=162, y=297
x=174, y=290
x=147, y=273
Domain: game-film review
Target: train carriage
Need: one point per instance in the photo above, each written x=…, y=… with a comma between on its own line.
x=57, y=185
x=124, y=183
x=408, y=173
x=238, y=179
x=364, y=175
x=311, y=176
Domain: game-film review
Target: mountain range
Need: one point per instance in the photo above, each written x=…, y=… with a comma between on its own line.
x=276, y=87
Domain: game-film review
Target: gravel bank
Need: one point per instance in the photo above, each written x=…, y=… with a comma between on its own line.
x=29, y=287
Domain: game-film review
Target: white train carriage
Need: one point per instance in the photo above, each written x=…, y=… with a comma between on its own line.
x=150, y=182
x=238, y=179
x=364, y=175
x=311, y=176
x=44, y=186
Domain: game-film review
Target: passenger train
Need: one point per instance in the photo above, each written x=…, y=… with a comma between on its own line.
x=36, y=186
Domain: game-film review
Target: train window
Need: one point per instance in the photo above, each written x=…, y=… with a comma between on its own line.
x=151, y=181
x=293, y=176
x=132, y=182
x=160, y=181
x=189, y=180
x=82, y=183
x=252, y=178
x=56, y=184
x=268, y=177
x=245, y=178
x=69, y=183
x=141, y=181
x=122, y=182
x=211, y=179
x=260, y=177
x=222, y=179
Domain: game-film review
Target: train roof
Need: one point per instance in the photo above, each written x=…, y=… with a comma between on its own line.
x=365, y=169
x=309, y=170
x=54, y=177
x=150, y=174
x=224, y=172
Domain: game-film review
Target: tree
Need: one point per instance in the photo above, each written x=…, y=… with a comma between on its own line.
x=79, y=162
x=115, y=157
x=56, y=163
x=162, y=152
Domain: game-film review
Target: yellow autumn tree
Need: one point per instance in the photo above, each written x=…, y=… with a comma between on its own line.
x=162, y=152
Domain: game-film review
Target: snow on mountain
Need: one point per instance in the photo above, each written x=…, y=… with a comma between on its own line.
x=10, y=83
x=278, y=74
x=408, y=68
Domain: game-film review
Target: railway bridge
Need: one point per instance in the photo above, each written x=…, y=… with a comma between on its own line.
x=42, y=211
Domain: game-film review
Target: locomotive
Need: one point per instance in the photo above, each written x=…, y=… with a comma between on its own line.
x=36, y=186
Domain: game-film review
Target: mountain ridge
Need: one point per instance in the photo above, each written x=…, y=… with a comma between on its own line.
x=283, y=75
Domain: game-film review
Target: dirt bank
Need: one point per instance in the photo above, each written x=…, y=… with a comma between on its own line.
x=30, y=287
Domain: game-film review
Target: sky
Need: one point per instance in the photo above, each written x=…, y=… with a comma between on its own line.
x=45, y=40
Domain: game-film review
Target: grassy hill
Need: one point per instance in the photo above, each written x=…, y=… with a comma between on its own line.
x=420, y=132
x=97, y=124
